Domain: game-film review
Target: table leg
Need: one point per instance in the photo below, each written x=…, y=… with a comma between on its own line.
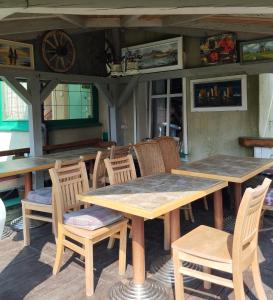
x=175, y=224
x=139, y=288
x=218, y=210
x=237, y=196
x=138, y=249
x=27, y=183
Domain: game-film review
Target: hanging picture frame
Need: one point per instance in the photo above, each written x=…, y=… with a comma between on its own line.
x=256, y=51
x=158, y=56
x=218, y=49
x=16, y=55
x=227, y=93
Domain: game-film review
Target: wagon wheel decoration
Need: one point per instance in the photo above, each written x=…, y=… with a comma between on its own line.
x=58, y=51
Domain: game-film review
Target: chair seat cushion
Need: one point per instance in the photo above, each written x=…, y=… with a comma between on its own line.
x=43, y=196
x=92, y=218
x=269, y=198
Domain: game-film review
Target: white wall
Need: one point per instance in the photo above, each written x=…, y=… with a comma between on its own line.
x=13, y=140
x=266, y=105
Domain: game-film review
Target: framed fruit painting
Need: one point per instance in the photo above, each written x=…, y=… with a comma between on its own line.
x=218, y=49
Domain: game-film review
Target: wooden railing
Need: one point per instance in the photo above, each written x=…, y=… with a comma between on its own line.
x=50, y=148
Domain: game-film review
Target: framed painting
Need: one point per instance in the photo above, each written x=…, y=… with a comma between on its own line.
x=218, y=49
x=219, y=94
x=155, y=57
x=16, y=55
x=256, y=51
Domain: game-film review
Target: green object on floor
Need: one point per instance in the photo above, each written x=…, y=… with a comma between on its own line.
x=12, y=202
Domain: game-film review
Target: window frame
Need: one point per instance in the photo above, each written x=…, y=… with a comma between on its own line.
x=168, y=95
x=77, y=123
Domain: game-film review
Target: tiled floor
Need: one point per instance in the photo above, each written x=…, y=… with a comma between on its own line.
x=26, y=273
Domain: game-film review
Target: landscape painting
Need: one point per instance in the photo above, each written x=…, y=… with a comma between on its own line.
x=156, y=56
x=260, y=50
x=219, y=94
x=16, y=55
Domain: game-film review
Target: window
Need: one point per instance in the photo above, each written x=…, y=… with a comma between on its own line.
x=13, y=107
x=13, y=110
x=71, y=105
x=166, y=108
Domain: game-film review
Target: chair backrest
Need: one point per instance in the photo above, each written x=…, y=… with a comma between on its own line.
x=120, y=169
x=169, y=149
x=68, y=180
x=149, y=158
x=120, y=151
x=245, y=237
x=99, y=172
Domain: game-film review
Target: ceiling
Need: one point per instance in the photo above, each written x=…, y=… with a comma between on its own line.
x=25, y=19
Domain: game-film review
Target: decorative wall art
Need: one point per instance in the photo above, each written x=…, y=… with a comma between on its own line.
x=153, y=57
x=16, y=55
x=255, y=51
x=218, y=49
x=219, y=94
x=58, y=51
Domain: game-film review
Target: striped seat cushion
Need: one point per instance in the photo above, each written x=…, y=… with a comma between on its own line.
x=92, y=218
x=42, y=196
x=269, y=198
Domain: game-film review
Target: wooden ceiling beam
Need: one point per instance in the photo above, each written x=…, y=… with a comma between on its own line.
x=39, y=25
x=77, y=21
x=242, y=28
x=229, y=10
x=141, y=21
x=261, y=20
x=104, y=22
x=182, y=20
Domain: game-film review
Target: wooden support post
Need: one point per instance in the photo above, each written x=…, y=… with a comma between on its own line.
x=48, y=89
x=35, y=126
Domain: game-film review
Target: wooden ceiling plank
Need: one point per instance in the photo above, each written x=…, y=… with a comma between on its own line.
x=229, y=10
x=140, y=21
x=247, y=28
x=77, y=21
x=179, y=20
x=240, y=20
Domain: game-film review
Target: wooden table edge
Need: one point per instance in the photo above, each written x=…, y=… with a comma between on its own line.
x=157, y=212
x=223, y=177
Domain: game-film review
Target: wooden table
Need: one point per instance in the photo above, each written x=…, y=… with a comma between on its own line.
x=150, y=197
x=25, y=166
x=228, y=168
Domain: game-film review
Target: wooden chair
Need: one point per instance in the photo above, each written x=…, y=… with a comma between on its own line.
x=120, y=170
x=169, y=149
x=170, y=154
x=120, y=151
x=68, y=182
x=149, y=158
x=37, y=202
x=216, y=249
x=267, y=206
x=99, y=176
x=151, y=162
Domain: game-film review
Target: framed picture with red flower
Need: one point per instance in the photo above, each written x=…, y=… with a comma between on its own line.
x=218, y=49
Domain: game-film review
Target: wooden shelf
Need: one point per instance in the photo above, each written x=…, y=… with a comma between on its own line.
x=256, y=142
